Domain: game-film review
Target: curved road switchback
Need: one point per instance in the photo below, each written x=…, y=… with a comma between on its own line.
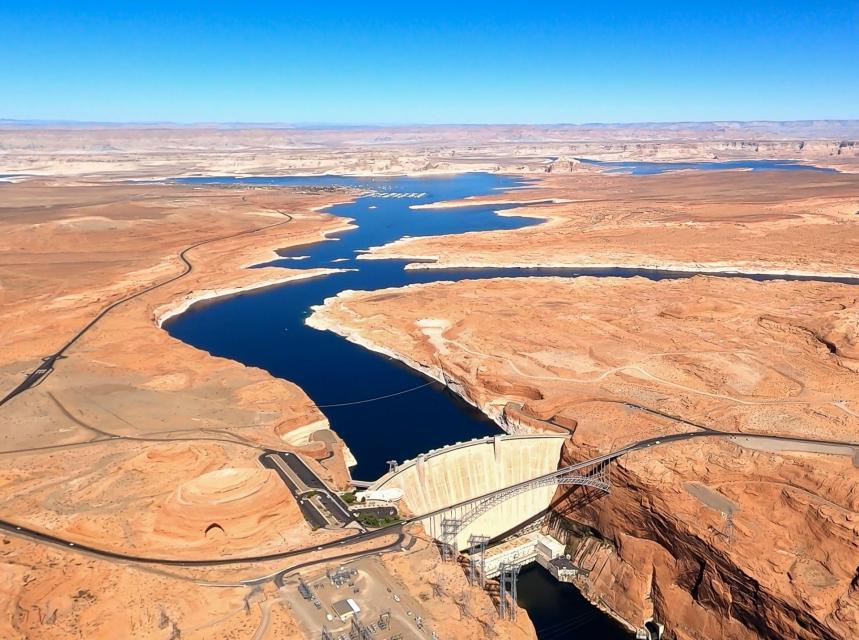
x=48, y=362
x=280, y=576
x=38, y=536
x=107, y=554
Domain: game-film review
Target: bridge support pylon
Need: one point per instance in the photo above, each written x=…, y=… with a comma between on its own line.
x=508, y=573
x=477, y=559
x=450, y=527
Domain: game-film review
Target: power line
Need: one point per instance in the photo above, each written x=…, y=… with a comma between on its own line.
x=564, y=630
x=390, y=395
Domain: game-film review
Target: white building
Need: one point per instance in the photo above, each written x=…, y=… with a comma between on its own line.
x=345, y=609
x=531, y=547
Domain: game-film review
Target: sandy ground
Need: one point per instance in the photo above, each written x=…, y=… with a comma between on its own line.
x=158, y=151
x=770, y=222
x=136, y=442
x=613, y=359
x=620, y=360
x=139, y=443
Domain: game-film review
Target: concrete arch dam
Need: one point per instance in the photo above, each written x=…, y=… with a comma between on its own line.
x=466, y=470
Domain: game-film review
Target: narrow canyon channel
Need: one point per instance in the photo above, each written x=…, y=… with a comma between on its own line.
x=267, y=329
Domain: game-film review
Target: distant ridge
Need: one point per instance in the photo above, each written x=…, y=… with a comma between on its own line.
x=791, y=128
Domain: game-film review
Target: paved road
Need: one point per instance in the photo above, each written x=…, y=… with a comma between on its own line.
x=309, y=510
x=394, y=546
x=48, y=362
x=309, y=490
x=107, y=554
x=39, y=536
x=637, y=446
x=330, y=499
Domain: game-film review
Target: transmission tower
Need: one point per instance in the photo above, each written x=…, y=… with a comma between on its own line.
x=477, y=559
x=359, y=631
x=509, y=573
x=449, y=528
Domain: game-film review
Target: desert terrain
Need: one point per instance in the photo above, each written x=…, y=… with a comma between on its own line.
x=626, y=359
x=740, y=221
x=140, y=445
x=163, y=151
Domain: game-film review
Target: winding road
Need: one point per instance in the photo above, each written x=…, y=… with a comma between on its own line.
x=49, y=362
x=339, y=548
x=38, y=536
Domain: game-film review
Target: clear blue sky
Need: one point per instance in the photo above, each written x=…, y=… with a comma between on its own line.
x=463, y=62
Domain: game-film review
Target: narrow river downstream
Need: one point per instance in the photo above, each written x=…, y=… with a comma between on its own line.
x=266, y=329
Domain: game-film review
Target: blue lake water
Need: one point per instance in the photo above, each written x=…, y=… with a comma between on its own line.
x=266, y=329
x=650, y=168
x=559, y=611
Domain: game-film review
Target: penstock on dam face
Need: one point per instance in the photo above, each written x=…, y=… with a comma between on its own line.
x=466, y=470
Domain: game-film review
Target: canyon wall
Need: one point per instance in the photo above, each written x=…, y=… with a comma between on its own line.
x=716, y=537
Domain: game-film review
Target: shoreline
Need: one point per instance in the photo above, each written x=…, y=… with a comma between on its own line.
x=538, y=168
x=178, y=306
x=272, y=254
x=462, y=204
x=529, y=210
x=431, y=262
x=320, y=319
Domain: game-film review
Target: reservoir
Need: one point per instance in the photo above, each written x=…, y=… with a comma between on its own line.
x=650, y=168
x=266, y=329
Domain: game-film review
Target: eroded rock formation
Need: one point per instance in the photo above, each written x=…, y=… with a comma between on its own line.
x=716, y=537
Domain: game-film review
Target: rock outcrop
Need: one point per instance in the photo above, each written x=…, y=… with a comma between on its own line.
x=715, y=537
x=563, y=165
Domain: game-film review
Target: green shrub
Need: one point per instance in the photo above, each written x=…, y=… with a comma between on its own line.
x=374, y=522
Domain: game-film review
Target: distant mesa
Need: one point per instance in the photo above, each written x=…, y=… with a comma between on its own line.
x=563, y=164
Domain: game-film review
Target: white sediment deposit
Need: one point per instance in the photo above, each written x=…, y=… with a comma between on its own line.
x=468, y=202
x=181, y=305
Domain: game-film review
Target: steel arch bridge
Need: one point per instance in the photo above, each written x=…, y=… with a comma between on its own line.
x=457, y=518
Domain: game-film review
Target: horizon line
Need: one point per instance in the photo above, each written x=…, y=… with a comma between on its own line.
x=6, y=122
